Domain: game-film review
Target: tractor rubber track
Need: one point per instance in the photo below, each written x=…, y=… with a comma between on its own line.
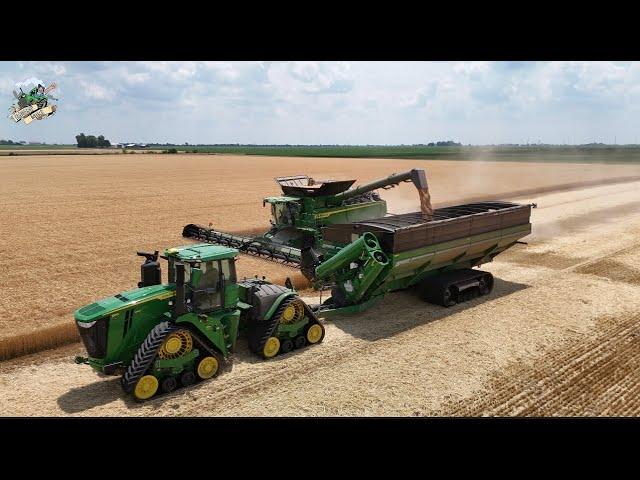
x=313, y=318
x=145, y=355
x=287, y=256
x=154, y=346
x=263, y=329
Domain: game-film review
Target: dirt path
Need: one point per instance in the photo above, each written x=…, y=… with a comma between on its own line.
x=562, y=313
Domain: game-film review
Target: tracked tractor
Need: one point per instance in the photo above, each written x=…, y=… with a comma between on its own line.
x=304, y=208
x=159, y=337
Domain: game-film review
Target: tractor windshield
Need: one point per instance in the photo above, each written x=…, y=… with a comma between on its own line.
x=207, y=294
x=281, y=214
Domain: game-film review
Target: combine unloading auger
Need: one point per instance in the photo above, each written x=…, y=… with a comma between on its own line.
x=305, y=207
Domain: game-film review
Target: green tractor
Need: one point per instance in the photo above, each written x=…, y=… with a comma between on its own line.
x=159, y=337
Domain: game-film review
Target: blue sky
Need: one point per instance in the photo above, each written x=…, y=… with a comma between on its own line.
x=334, y=102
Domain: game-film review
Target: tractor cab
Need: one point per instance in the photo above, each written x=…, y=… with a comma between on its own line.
x=206, y=274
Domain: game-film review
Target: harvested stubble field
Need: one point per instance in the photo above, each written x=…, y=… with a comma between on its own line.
x=557, y=336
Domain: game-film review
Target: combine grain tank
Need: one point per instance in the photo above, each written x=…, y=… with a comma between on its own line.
x=363, y=260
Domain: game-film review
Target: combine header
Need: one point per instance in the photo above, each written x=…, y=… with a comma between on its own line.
x=304, y=208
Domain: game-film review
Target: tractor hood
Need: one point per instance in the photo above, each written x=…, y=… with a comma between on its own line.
x=110, y=305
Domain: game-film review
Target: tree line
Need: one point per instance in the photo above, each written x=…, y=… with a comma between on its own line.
x=448, y=143
x=91, y=141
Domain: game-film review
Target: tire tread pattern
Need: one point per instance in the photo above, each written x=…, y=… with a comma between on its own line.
x=145, y=355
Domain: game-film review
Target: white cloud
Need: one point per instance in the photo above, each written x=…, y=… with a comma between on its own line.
x=95, y=91
x=137, y=78
x=337, y=102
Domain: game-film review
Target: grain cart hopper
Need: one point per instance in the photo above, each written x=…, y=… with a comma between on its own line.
x=161, y=336
x=364, y=260
x=305, y=206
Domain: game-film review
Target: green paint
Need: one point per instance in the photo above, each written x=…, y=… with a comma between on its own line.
x=291, y=330
x=350, y=309
x=165, y=367
x=202, y=252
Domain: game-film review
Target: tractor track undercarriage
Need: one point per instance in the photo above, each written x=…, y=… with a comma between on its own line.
x=149, y=351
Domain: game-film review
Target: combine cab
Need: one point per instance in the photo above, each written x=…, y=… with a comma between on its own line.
x=304, y=208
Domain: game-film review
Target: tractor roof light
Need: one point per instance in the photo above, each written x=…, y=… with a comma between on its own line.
x=86, y=324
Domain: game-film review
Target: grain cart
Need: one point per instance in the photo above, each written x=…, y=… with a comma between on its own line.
x=162, y=336
x=362, y=261
x=305, y=207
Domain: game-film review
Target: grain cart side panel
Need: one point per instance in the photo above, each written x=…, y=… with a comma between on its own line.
x=454, y=238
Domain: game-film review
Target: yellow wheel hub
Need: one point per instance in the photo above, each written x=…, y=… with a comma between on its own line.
x=207, y=367
x=173, y=345
x=271, y=347
x=294, y=312
x=289, y=313
x=176, y=344
x=314, y=334
x=146, y=387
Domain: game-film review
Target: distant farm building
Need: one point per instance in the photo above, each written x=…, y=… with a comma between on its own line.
x=130, y=145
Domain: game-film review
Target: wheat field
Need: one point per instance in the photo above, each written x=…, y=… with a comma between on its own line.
x=71, y=224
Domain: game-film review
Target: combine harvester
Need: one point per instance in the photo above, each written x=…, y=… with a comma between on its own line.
x=305, y=207
x=161, y=336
